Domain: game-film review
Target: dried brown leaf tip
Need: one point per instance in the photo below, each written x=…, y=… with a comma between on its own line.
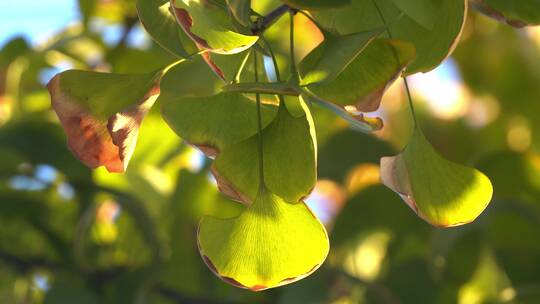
x=97, y=134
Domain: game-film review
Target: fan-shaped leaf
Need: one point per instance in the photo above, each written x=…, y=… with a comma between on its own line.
x=197, y=111
x=157, y=19
x=441, y=192
x=363, y=82
x=433, y=44
x=272, y=243
x=210, y=27
x=332, y=56
x=241, y=10
x=101, y=113
x=420, y=11
x=289, y=160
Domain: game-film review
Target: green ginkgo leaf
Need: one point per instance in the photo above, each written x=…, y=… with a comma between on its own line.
x=441, y=192
x=241, y=10
x=420, y=11
x=101, y=113
x=333, y=55
x=316, y=4
x=193, y=78
x=157, y=19
x=272, y=243
x=215, y=122
x=196, y=109
x=433, y=29
x=363, y=82
x=211, y=27
x=290, y=154
x=515, y=13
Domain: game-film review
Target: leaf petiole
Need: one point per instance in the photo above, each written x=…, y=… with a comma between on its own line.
x=396, y=55
x=259, y=123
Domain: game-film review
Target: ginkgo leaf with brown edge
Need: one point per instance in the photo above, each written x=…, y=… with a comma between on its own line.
x=271, y=243
x=290, y=159
x=101, y=113
x=441, y=192
x=210, y=27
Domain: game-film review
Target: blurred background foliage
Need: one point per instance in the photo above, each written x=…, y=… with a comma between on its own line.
x=72, y=235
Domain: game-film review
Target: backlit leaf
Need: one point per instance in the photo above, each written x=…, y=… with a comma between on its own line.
x=197, y=111
x=101, y=113
x=272, y=243
x=420, y=11
x=364, y=81
x=210, y=27
x=332, y=56
x=241, y=10
x=441, y=192
x=432, y=44
x=289, y=160
x=157, y=19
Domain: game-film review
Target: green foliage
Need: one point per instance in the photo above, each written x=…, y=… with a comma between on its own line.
x=441, y=192
x=230, y=82
x=210, y=27
x=162, y=26
x=273, y=242
x=433, y=41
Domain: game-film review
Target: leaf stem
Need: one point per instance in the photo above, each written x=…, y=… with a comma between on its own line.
x=259, y=123
x=273, y=56
x=236, y=78
x=276, y=68
x=294, y=72
x=396, y=55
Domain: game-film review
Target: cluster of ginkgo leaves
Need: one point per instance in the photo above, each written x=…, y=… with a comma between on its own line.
x=223, y=97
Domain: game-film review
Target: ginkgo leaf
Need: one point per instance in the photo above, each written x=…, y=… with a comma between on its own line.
x=272, y=243
x=316, y=4
x=159, y=22
x=101, y=113
x=514, y=13
x=420, y=11
x=210, y=27
x=441, y=192
x=196, y=109
x=289, y=146
x=213, y=123
x=193, y=78
x=364, y=81
x=333, y=55
x=433, y=42
x=241, y=10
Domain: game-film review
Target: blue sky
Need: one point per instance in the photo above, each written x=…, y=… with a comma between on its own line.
x=36, y=19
